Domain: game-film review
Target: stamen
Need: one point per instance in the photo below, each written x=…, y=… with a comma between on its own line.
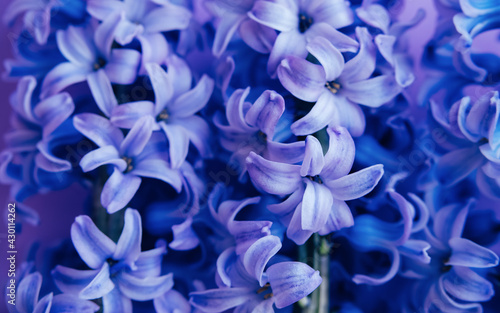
x=334, y=87
x=262, y=137
x=315, y=179
x=304, y=22
x=264, y=288
x=163, y=116
x=99, y=63
x=269, y=295
x=129, y=162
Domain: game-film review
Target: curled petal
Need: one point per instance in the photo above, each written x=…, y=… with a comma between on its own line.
x=467, y=253
x=166, y=18
x=395, y=260
x=118, y=190
x=292, y=281
x=159, y=169
x=194, y=100
x=265, y=12
x=162, y=86
x=313, y=158
x=373, y=92
x=172, y=302
x=28, y=291
x=91, y=244
x=340, y=155
x=266, y=111
x=128, y=247
x=71, y=281
x=143, y=289
x=466, y=285
x=98, y=129
x=99, y=286
x=62, y=76
x=458, y=164
x=220, y=300
x=259, y=253
x=339, y=217
x=138, y=137
x=356, y=185
x=273, y=177
x=123, y=66
x=101, y=89
x=319, y=117
x=316, y=206
x=102, y=156
x=302, y=78
x=328, y=56
x=363, y=64
x=184, y=236
x=127, y=114
x=69, y=303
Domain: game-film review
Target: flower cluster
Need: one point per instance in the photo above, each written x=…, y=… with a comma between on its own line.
x=278, y=154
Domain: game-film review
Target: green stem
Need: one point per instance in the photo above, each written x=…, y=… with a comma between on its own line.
x=316, y=253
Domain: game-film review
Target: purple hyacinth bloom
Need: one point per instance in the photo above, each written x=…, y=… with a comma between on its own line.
x=144, y=20
x=90, y=58
x=27, y=299
x=233, y=16
x=174, y=110
x=371, y=233
x=335, y=86
x=318, y=188
x=249, y=288
x=299, y=21
x=457, y=286
x=242, y=232
x=120, y=271
x=37, y=14
x=392, y=43
x=251, y=127
x=132, y=157
x=36, y=125
x=475, y=125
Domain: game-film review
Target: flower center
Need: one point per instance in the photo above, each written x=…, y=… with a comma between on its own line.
x=316, y=179
x=262, y=137
x=163, y=116
x=99, y=63
x=333, y=86
x=115, y=266
x=265, y=290
x=130, y=165
x=304, y=22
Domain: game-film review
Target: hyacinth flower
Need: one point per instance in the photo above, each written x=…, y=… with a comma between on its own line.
x=249, y=287
x=336, y=86
x=37, y=14
x=477, y=17
x=240, y=233
x=174, y=110
x=28, y=302
x=475, y=124
x=300, y=21
x=318, y=188
x=392, y=43
x=251, y=127
x=144, y=20
x=132, y=157
x=371, y=233
x=456, y=286
x=119, y=271
x=90, y=58
x=36, y=125
x=232, y=17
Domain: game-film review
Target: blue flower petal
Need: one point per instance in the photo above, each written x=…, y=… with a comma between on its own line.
x=172, y=302
x=128, y=247
x=27, y=292
x=159, y=169
x=316, y=206
x=142, y=289
x=357, y=184
x=115, y=301
x=118, y=190
x=91, y=244
x=273, y=177
x=101, y=89
x=99, y=286
x=219, y=300
x=466, y=285
x=467, y=253
x=102, y=156
x=291, y=281
x=67, y=303
x=266, y=111
x=138, y=137
x=71, y=281
x=98, y=129
x=258, y=254
x=302, y=78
